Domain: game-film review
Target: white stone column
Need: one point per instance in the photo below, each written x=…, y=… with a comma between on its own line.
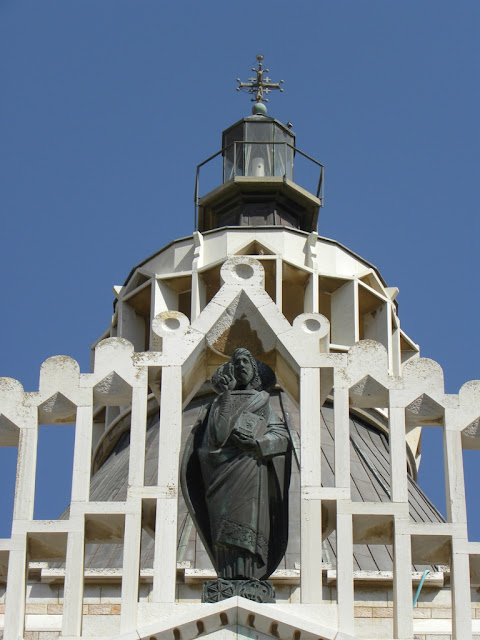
x=22, y=510
x=454, y=475
x=398, y=451
x=457, y=513
x=16, y=584
x=165, y=560
x=26, y=469
x=73, y=592
x=345, y=585
x=138, y=430
x=199, y=295
x=402, y=586
x=82, y=455
x=385, y=331
x=131, y=569
x=396, y=350
x=311, y=479
x=402, y=557
x=461, y=598
x=74, y=566
x=310, y=303
x=133, y=520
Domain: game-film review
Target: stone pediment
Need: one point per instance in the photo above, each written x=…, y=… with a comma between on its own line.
x=236, y=617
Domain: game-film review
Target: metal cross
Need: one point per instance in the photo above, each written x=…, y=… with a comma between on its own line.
x=260, y=85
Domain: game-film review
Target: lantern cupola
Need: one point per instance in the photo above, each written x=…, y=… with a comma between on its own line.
x=263, y=173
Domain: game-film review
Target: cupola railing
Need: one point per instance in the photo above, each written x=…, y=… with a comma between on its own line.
x=258, y=161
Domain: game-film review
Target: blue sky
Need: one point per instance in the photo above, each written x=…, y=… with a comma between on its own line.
x=108, y=106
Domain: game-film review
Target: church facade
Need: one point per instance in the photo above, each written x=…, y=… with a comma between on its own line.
x=368, y=555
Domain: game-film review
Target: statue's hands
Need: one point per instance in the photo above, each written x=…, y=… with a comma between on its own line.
x=245, y=442
x=226, y=383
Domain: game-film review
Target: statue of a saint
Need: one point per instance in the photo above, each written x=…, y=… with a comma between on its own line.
x=236, y=472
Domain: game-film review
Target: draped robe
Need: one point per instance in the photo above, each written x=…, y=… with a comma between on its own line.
x=238, y=498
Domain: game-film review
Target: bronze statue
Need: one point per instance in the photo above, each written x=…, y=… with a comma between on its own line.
x=236, y=472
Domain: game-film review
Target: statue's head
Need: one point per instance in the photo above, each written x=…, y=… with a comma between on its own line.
x=245, y=370
x=248, y=373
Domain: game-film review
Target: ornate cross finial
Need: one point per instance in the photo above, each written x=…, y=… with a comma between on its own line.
x=259, y=86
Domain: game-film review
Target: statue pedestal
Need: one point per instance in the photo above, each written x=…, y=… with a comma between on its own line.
x=257, y=590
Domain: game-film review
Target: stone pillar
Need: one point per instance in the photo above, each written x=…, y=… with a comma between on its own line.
x=165, y=562
x=454, y=476
x=131, y=568
x=16, y=584
x=22, y=510
x=73, y=592
x=26, y=468
x=398, y=452
x=402, y=586
x=74, y=566
x=311, y=507
x=82, y=455
x=138, y=426
x=461, y=599
x=345, y=585
x=402, y=552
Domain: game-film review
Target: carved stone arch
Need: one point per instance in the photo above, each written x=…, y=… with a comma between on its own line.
x=241, y=324
x=246, y=322
x=242, y=314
